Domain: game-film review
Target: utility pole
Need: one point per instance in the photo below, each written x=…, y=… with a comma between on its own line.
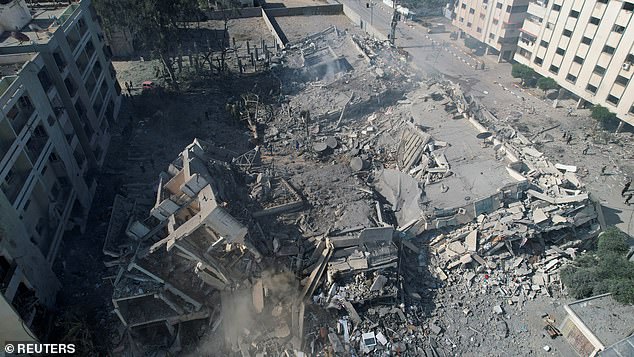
x=395, y=16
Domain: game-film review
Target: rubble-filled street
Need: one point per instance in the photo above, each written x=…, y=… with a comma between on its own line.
x=324, y=200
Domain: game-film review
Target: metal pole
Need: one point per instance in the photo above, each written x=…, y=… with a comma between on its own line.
x=371, y=13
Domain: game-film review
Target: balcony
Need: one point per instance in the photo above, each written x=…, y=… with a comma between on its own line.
x=537, y=8
x=5, y=83
x=20, y=113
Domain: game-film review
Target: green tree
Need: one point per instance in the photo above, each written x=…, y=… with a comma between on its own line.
x=525, y=73
x=546, y=84
x=154, y=23
x=604, y=116
x=471, y=43
x=606, y=270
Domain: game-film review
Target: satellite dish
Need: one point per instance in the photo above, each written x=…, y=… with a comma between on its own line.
x=484, y=135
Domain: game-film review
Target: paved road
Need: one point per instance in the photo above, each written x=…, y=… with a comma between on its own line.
x=498, y=91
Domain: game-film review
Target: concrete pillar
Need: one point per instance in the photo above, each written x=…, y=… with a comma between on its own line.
x=620, y=127
x=500, y=59
x=487, y=50
x=581, y=103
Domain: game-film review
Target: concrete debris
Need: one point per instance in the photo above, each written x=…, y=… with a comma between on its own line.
x=333, y=233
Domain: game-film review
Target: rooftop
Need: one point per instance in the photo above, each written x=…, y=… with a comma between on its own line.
x=46, y=19
x=609, y=320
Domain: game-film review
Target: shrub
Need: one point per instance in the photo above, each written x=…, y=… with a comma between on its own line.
x=471, y=43
x=524, y=72
x=604, y=116
x=606, y=270
x=546, y=84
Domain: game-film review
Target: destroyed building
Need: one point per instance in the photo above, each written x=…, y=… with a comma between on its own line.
x=366, y=191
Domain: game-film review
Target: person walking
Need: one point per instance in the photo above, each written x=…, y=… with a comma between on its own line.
x=626, y=187
x=629, y=197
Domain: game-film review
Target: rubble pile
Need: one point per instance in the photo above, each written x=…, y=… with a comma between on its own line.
x=339, y=231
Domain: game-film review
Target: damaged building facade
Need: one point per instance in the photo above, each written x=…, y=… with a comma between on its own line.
x=58, y=95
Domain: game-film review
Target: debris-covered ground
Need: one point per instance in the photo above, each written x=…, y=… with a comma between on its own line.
x=332, y=202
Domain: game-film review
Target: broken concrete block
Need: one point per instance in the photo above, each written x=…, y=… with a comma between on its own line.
x=381, y=338
x=472, y=241
x=455, y=249
x=539, y=216
x=466, y=259
x=379, y=282
x=498, y=309
x=441, y=274
x=435, y=329
x=258, y=296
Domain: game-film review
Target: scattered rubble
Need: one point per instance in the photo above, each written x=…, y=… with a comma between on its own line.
x=337, y=231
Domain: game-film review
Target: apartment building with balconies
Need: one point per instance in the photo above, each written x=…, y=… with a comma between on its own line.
x=494, y=23
x=586, y=46
x=58, y=98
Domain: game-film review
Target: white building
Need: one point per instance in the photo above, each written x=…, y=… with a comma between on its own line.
x=586, y=46
x=58, y=96
x=495, y=23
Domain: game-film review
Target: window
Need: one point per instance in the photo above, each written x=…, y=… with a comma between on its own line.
x=632, y=109
x=578, y=59
x=492, y=35
x=479, y=30
x=608, y=49
x=543, y=43
x=538, y=61
x=618, y=28
x=630, y=59
x=482, y=15
x=495, y=21
x=554, y=69
x=472, y=11
x=612, y=99
x=498, y=5
x=599, y=70
x=59, y=60
x=628, y=6
x=570, y=78
x=602, y=1
x=464, y=6
x=556, y=7
x=586, y=40
x=595, y=20
x=469, y=24
x=461, y=19
x=567, y=33
x=621, y=80
x=45, y=80
x=508, y=8
x=70, y=86
x=590, y=88
x=560, y=51
x=574, y=14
